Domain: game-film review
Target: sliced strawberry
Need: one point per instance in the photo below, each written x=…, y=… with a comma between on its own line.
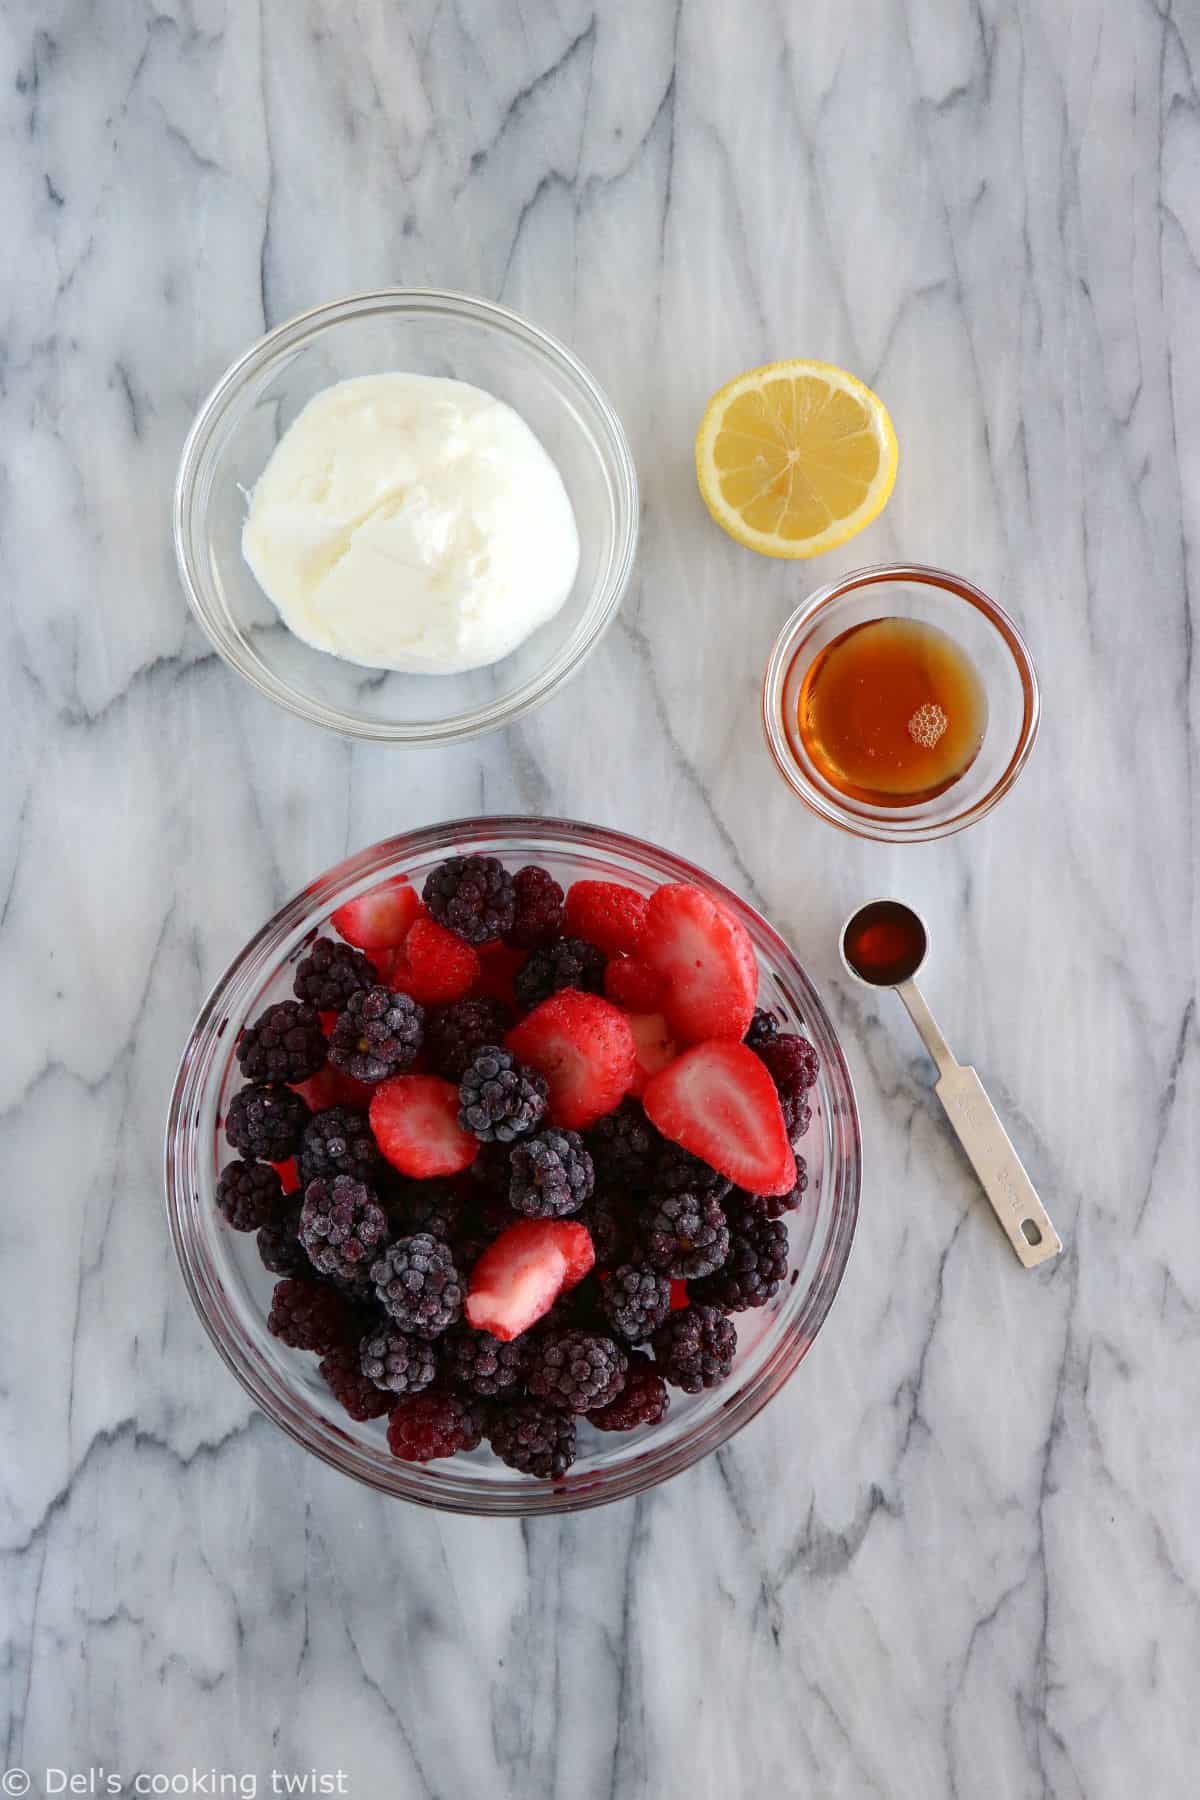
x=415, y=1122
x=655, y=1047
x=379, y=919
x=498, y=966
x=385, y=962
x=707, y=959
x=605, y=914
x=585, y=1049
x=435, y=965
x=679, y=1296
x=633, y=985
x=519, y=1277
x=714, y=1101
x=288, y=1173
x=320, y=1090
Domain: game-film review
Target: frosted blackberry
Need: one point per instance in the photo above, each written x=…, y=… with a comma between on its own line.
x=570, y=963
x=396, y=1360
x=774, y=1206
x=342, y=1226
x=642, y=1401
x=473, y=896
x=534, y=1439
x=307, y=1315
x=455, y=1032
x=551, y=1175
x=695, y=1348
x=266, y=1122
x=625, y=1147
x=279, y=1245
x=793, y=1065
x=575, y=1370
x=685, y=1235
x=498, y=1099
x=676, y=1169
x=477, y=1361
x=423, y=1427
x=538, y=910
x=338, y=1141
x=285, y=1043
x=755, y=1268
x=350, y=1387
x=609, y=1217
x=763, y=1027
x=418, y=1285
x=330, y=973
x=635, y=1302
x=249, y=1194
x=377, y=1035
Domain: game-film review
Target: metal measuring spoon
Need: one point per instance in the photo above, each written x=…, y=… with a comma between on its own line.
x=883, y=945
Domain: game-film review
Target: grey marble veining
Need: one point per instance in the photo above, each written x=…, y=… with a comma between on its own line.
x=958, y=1556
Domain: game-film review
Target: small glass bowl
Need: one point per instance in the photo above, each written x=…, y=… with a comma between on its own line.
x=430, y=333
x=980, y=627
x=231, y=1290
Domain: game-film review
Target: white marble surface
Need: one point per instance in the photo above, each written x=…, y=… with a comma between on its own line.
x=959, y=1555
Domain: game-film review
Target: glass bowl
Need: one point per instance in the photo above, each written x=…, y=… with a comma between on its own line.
x=231, y=1290
x=980, y=627
x=431, y=333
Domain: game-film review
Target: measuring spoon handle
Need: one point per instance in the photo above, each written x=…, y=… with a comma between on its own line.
x=1014, y=1199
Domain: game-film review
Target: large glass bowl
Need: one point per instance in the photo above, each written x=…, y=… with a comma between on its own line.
x=231, y=1290
x=427, y=332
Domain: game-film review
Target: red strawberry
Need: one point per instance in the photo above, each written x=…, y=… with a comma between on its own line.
x=379, y=919
x=320, y=1090
x=633, y=985
x=415, y=1122
x=435, y=965
x=585, y=1049
x=605, y=914
x=288, y=1174
x=679, y=1296
x=655, y=1047
x=714, y=1101
x=707, y=959
x=497, y=967
x=519, y=1277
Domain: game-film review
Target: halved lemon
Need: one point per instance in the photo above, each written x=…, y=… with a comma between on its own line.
x=795, y=458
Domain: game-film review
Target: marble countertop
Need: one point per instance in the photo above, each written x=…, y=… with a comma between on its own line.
x=958, y=1556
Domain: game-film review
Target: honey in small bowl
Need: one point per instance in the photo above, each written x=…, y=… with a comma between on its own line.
x=892, y=712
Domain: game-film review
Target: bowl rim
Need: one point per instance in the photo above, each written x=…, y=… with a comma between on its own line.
x=288, y=336
x=244, y=975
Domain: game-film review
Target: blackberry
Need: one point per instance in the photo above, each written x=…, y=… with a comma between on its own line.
x=307, y=1315
x=455, y=1032
x=793, y=1065
x=266, y=1121
x=473, y=896
x=423, y=1427
x=685, y=1235
x=570, y=963
x=338, y=1141
x=763, y=1027
x=636, y=1301
x=249, y=1194
x=773, y=1206
x=610, y=1221
x=477, y=1361
x=575, y=1370
x=397, y=1361
x=552, y=1175
x=797, y=1114
x=285, y=1043
x=418, y=1285
x=695, y=1348
x=433, y=1206
x=537, y=918
x=677, y=1170
x=342, y=1226
x=624, y=1146
x=350, y=1387
x=479, y=1225
x=754, y=1269
x=330, y=973
x=534, y=1439
x=642, y=1401
x=377, y=1035
x=279, y=1244
x=499, y=1099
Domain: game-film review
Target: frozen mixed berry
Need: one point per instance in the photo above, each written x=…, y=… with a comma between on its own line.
x=479, y=1362
x=396, y=1360
x=279, y=1244
x=642, y=1401
x=266, y=1122
x=550, y=1175
x=330, y=973
x=455, y=1032
x=285, y=1043
x=755, y=1268
x=794, y=1065
x=763, y=1027
x=473, y=896
x=249, y=1194
x=625, y=1147
x=538, y=909
x=498, y=1098
x=575, y=1370
x=342, y=1226
x=773, y=1206
x=695, y=1349
x=350, y=1387
x=609, y=1217
x=338, y=1141
x=307, y=1315
x=377, y=1034
x=676, y=1170
x=423, y=1427
x=685, y=1235
x=636, y=1301
x=570, y=963
x=534, y=1439
x=418, y=1285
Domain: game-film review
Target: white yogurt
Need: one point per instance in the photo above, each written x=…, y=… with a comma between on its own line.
x=409, y=522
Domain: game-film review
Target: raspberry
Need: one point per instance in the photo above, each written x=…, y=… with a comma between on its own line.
x=425, y=1426
x=397, y=1361
x=286, y=1043
x=763, y=1027
x=685, y=1235
x=609, y=1219
x=570, y=963
x=473, y=896
x=377, y=1035
x=794, y=1066
x=773, y=1206
x=552, y=1175
x=418, y=1285
x=338, y=1141
x=534, y=1439
x=677, y=1169
x=330, y=973
x=624, y=1147
x=307, y=1316
x=342, y=1226
x=499, y=1099
x=279, y=1244
x=575, y=1370
x=350, y=1387
x=636, y=1301
x=642, y=1401
x=754, y=1269
x=454, y=1033
x=249, y=1194
x=695, y=1349
x=266, y=1122
x=537, y=919
x=477, y=1361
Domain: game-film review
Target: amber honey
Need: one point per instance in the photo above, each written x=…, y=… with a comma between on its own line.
x=892, y=712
